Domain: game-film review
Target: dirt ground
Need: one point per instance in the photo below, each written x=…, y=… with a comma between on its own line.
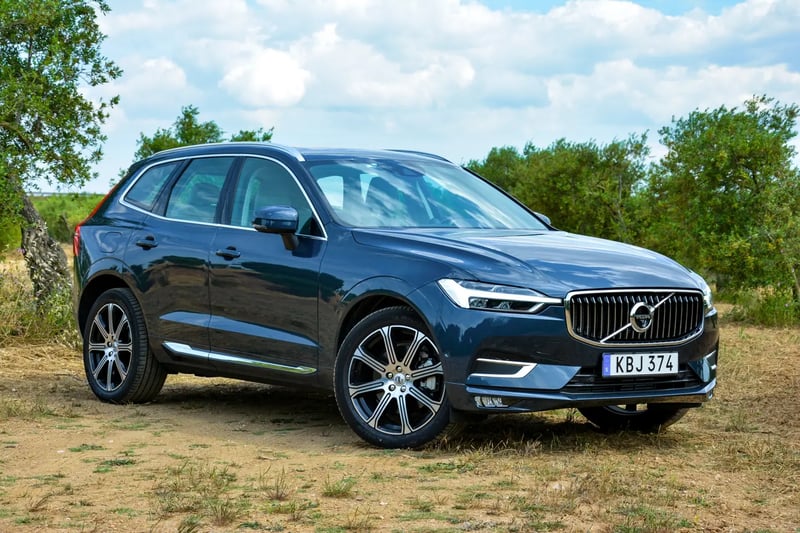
x=220, y=455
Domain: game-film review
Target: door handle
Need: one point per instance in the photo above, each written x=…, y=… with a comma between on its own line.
x=147, y=242
x=229, y=253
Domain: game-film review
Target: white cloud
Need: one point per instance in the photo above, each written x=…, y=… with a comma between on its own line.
x=265, y=78
x=159, y=72
x=445, y=75
x=422, y=87
x=181, y=18
x=146, y=82
x=659, y=94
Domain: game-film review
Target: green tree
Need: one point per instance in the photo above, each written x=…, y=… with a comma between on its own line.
x=725, y=198
x=503, y=166
x=49, y=51
x=582, y=187
x=188, y=130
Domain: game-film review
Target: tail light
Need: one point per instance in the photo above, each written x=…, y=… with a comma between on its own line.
x=76, y=237
x=76, y=240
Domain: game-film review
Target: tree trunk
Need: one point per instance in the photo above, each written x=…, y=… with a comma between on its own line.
x=44, y=257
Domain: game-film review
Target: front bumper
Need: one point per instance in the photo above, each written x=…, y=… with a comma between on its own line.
x=550, y=369
x=540, y=390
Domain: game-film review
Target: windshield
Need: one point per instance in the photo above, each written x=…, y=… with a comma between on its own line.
x=385, y=193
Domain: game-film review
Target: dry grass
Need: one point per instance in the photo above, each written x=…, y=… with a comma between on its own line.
x=217, y=455
x=20, y=320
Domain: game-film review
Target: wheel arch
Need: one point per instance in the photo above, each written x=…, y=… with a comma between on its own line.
x=93, y=289
x=376, y=294
x=368, y=305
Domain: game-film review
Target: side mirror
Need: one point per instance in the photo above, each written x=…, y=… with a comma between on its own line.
x=280, y=219
x=545, y=218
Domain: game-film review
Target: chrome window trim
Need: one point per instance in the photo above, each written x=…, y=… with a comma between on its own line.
x=634, y=345
x=143, y=170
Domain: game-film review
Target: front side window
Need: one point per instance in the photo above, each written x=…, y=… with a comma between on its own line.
x=264, y=183
x=196, y=194
x=413, y=194
x=145, y=191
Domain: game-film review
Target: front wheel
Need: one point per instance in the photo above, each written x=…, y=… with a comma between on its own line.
x=648, y=418
x=116, y=354
x=389, y=381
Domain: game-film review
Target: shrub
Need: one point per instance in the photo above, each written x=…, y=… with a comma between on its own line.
x=62, y=212
x=767, y=306
x=10, y=237
x=22, y=322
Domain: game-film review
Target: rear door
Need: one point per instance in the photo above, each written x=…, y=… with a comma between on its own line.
x=170, y=252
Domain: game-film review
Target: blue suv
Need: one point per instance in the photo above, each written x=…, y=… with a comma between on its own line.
x=414, y=289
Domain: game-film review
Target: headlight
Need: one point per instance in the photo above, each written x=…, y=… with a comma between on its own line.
x=708, y=299
x=491, y=297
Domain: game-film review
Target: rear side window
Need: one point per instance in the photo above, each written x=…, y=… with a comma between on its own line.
x=196, y=194
x=145, y=191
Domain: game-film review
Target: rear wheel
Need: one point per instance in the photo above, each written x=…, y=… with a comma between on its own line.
x=116, y=353
x=389, y=381
x=649, y=418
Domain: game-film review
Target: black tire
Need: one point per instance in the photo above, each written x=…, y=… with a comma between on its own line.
x=647, y=418
x=116, y=353
x=393, y=398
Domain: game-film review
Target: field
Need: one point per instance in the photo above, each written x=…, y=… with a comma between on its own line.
x=219, y=455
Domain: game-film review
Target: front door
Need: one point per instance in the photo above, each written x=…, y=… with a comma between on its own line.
x=263, y=296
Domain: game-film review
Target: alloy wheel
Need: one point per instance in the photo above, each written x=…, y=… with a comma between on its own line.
x=395, y=380
x=110, y=347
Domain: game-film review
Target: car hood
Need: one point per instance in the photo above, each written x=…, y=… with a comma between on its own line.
x=552, y=262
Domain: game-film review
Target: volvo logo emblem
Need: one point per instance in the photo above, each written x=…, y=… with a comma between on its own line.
x=641, y=317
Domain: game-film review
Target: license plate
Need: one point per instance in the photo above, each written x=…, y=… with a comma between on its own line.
x=639, y=364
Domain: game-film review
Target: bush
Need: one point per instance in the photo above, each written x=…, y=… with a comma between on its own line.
x=62, y=212
x=20, y=320
x=767, y=306
x=10, y=237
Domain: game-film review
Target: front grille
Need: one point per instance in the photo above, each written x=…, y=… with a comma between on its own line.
x=587, y=381
x=603, y=318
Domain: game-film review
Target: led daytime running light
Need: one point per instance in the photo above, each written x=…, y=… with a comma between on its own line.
x=490, y=297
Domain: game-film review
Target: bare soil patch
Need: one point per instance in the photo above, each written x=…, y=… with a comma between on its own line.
x=221, y=455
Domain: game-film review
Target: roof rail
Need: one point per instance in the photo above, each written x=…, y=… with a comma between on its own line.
x=417, y=152
x=288, y=150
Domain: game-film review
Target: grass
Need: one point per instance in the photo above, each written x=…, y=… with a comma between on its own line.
x=341, y=488
x=645, y=519
x=24, y=408
x=86, y=448
x=766, y=306
x=61, y=212
x=358, y=520
x=108, y=465
x=22, y=322
x=207, y=491
x=276, y=488
x=295, y=509
x=421, y=504
x=733, y=464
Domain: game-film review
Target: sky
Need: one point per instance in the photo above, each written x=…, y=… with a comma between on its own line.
x=453, y=77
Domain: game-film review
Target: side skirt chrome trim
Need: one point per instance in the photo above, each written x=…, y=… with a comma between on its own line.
x=188, y=351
